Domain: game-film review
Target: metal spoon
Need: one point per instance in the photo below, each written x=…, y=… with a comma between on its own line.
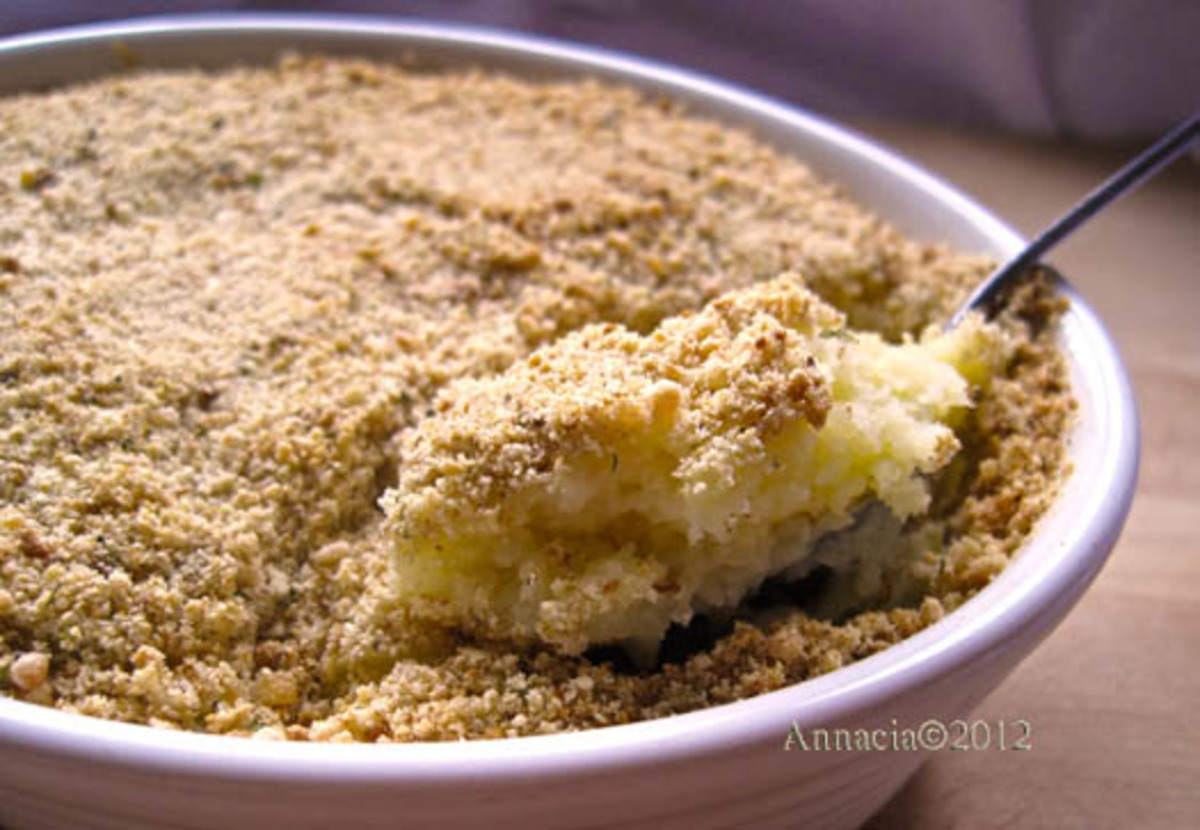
x=989, y=296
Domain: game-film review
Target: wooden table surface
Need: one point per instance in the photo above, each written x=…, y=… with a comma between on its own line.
x=1112, y=693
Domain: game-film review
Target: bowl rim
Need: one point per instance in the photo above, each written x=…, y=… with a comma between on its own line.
x=1034, y=581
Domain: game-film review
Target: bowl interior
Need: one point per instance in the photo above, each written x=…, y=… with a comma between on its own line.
x=1064, y=554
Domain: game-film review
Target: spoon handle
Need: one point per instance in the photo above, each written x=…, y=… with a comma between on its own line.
x=1125, y=180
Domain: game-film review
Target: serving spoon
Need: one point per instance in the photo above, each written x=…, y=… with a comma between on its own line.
x=989, y=296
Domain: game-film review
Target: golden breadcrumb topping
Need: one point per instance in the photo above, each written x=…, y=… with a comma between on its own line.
x=226, y=298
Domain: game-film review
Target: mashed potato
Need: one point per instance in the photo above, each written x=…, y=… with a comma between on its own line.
x=614, y=483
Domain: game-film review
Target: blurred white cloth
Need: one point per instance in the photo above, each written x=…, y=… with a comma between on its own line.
x=1100, y=70
x=1103, y=70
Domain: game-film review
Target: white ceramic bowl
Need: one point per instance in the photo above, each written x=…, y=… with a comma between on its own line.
x=721, y=767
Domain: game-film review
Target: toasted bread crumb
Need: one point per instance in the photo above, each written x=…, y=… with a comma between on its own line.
x=225, y=297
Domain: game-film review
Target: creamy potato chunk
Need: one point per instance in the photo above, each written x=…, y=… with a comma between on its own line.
x=613, y=483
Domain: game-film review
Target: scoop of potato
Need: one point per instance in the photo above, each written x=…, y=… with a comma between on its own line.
x=614, y=483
